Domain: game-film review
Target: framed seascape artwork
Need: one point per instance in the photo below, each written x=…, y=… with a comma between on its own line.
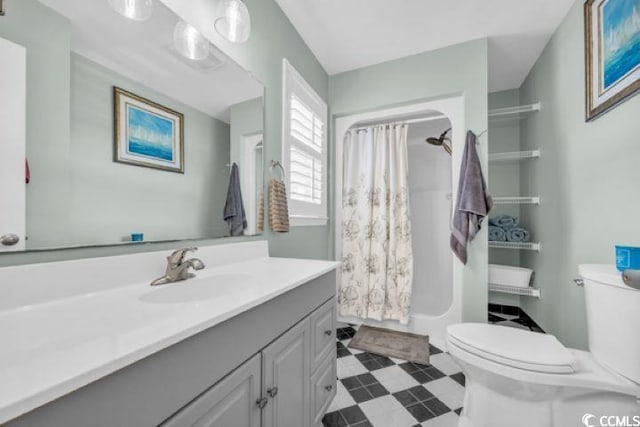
x=612, y=44
x=147, y=134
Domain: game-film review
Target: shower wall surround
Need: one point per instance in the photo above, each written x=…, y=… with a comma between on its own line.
x=423, y=77
x=430, y=196
x=589, y=181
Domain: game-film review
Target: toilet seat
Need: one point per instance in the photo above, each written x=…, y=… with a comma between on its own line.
x=513, y=347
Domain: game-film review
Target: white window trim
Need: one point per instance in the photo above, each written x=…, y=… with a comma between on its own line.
x=291, y=78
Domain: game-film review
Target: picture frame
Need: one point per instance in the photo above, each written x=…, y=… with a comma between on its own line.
x=146, y=133
x=1, y=7
x=612, y=54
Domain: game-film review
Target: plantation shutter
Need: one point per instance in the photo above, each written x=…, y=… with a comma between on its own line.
x=304, y=148
x=306, y=152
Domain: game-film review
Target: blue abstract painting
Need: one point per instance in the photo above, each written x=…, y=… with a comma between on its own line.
x=620, y=39
x=146, y=133
x=150, y=135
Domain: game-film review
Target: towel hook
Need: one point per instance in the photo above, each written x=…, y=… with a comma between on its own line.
x=480, y=134
x=274, y=164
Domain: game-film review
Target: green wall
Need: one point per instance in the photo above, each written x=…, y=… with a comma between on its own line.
x=587, y=178
x=108, y=200
x=47, y=37
x=78, y=195
x=246, y=119
x=455, y=70
x=273, y=38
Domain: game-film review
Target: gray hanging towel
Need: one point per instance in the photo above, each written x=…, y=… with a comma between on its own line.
x=234, y=208
x=473, y=203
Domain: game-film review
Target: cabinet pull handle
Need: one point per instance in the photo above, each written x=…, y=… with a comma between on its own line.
x=328, y=333
x=9, y=239
x=329, y=387
x=272, y=392
x=262, y=402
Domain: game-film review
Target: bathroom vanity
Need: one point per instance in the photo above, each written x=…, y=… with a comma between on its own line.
x=257, y=351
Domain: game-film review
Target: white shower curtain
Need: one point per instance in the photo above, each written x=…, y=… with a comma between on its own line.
x=377, y=259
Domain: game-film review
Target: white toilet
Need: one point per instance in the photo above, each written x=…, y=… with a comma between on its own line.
x=517, y=378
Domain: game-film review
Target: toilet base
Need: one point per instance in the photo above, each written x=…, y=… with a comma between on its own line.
x=505, y=403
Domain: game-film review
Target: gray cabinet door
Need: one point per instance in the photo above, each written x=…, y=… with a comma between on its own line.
x=230, y=403
x=286, y=372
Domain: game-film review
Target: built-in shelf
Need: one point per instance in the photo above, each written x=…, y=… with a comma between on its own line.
x=514, y=156
x=516, y=112
x=535, y=200
x=515, y=290
x=526, y=246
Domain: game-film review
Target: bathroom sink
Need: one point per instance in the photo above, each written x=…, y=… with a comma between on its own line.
x=199, y=289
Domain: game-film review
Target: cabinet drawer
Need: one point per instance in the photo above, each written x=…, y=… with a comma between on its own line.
x=323, y=388
x=323, y=327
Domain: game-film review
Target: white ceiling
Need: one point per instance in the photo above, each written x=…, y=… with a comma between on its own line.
x=143, y=52
x=349, y=34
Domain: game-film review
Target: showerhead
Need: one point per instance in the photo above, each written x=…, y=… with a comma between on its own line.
x=441, y=141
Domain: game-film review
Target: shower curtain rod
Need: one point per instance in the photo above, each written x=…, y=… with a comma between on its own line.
x=408, y=122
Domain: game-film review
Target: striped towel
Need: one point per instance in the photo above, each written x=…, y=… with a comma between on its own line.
x=260, y=220
x=278, y=208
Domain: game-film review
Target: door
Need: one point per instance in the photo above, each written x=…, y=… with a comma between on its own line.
x=286, y=372
x=233, y=402
x=13, y=85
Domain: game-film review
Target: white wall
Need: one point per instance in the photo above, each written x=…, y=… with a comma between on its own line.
x=429, y=192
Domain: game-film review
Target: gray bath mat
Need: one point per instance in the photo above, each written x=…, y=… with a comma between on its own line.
x=385, y=342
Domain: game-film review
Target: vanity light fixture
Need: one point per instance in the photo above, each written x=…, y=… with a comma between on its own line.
x=189, y=42
x=233, y=21
x=138, y=10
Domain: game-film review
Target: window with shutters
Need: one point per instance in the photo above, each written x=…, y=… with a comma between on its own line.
x=304, y=149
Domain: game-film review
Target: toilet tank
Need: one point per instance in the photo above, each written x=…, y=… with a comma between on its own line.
x=613, y=319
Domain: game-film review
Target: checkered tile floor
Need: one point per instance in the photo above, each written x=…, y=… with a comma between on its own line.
x=519, y=321
x=379, y=391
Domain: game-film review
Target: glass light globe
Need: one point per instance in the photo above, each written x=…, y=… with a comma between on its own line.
x=138, y=10
x=233, y=21
x=189, y=42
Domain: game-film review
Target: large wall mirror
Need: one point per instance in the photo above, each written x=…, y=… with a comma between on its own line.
x=133, y=128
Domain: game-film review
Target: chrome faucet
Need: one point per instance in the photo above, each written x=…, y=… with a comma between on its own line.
x=178, y=267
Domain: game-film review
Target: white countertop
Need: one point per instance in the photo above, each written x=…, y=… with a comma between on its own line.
x=57, y=346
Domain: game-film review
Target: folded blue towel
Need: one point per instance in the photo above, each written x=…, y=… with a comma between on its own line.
x=517, y=235
x=504, y=221
x=497, y=234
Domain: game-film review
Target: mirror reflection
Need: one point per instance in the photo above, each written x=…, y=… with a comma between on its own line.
x=133, y=128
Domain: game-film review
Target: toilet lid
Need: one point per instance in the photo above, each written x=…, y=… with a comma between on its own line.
x=514, y=347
